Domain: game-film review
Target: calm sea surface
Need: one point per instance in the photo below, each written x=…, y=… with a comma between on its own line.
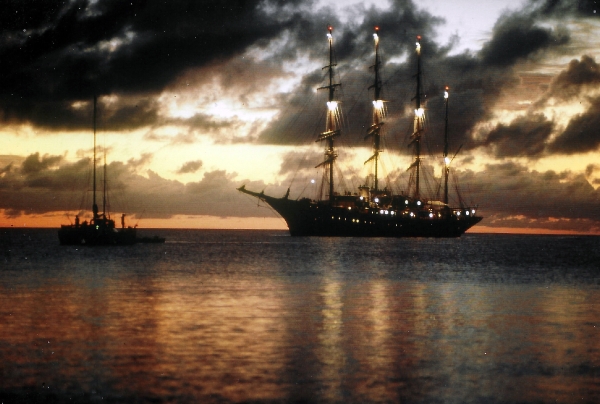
x=258, y=316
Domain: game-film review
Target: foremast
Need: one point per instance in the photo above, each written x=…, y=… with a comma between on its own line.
x=331, y=126
x=418, y=125
x=378, y=114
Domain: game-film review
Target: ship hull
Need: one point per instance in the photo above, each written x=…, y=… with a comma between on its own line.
x=325, y=221
x=308, y=218
x=91, y=236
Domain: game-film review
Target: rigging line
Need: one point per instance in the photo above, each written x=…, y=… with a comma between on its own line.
x=285, y=129
x=139, y=217
x=307, y=150
x=304, y=189
x=428, y=186
x=342, y=181
x=400, y=182
x=259, y=205
x=452, y=199
x=358, y=99
x=84, y=194
x=384, y=171
x=469, y=192
x=286, y=126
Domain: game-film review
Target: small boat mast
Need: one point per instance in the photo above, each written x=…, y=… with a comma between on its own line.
x=95, y=205
x=331, y=125
x=95, y=209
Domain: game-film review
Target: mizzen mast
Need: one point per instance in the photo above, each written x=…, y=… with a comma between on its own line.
x=378, y=113
x=331, y=125
x=446, y=158
x=418, y=124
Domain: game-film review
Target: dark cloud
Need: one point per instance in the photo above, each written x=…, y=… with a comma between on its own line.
x=58, y=52
x=33, y=164
x=526, y=136
x=563, y=8
x=570, y=82
x=581, y=134
x=76, y=115
x=294, y=161
x=6, y=169
x=510, y=189
x=302, y=119
x=144, y=159
x=67, y=186
x=590, y=169
x=190, y=167
x=127, y=115
x=70, y=51
x=478, y=81
x=515, y=37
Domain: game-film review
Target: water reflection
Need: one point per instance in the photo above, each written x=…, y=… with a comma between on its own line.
x=193, y=334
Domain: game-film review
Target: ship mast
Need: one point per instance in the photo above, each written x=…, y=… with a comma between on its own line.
x=418, y=125
x=374, y=130
x=104, y=186
x=331, y=130
x=95, y=206
x=446, y=159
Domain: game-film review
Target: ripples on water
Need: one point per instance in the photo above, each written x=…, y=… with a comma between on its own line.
x=257, y=316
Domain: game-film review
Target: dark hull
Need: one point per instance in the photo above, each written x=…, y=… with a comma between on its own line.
x=307, y=218
x=91, y=236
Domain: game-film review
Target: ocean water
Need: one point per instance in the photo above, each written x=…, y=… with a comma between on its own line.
x=261, y=317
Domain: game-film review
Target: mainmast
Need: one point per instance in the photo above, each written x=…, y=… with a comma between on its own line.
x=446, y=159
x=331, y=130
x=94, y=206
x=374, y=130
x=418, y=125
x=104, y=186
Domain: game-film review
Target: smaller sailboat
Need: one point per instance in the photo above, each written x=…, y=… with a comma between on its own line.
x=101, y=229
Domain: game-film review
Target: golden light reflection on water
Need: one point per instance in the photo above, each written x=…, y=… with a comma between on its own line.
x=330, y=353
x=245, y=338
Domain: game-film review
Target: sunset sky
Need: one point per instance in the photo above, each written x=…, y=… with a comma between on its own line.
x=196, y=98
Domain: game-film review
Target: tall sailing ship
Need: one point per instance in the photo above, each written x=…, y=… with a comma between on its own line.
x=101, y=229
x=372, y=211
